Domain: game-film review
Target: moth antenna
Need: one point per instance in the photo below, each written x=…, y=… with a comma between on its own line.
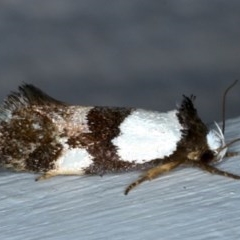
x=224, y=104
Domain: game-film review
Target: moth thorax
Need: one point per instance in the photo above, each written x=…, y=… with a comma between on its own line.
x=216, y=143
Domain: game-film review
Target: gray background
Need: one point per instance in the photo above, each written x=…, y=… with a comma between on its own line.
x=125, y=53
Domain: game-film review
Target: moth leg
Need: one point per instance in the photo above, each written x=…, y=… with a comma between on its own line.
x=46, y=175
x=153, y=173
x=214, y=170
x=231, y=154
x=54, y=173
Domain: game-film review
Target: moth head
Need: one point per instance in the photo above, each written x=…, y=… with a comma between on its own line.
x=216, y=148
x=216, y=144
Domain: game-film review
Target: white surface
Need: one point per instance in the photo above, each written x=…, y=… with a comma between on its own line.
x=186, y=204
x=146, y=135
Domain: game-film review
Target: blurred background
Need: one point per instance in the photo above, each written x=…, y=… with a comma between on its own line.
x=124, y=53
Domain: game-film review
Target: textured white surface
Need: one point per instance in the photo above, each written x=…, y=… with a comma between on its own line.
x=186, y=204
x=146, y=135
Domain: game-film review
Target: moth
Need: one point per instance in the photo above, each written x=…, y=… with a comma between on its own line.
x=43, y=135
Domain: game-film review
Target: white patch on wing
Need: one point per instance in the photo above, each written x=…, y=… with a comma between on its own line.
x=73, y=161
x=146, y=135
x=74, y=120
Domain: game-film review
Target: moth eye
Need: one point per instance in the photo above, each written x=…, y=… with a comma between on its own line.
x=207, y=156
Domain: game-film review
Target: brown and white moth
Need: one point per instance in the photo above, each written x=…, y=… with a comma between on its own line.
x=43, y=135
